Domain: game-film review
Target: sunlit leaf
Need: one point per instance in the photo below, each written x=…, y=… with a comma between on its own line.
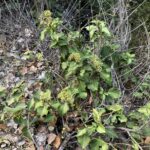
x=115, y=107
x=101, y=129
x=84, y=140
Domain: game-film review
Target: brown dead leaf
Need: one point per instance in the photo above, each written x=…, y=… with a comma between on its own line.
x=3, y=126
x=42, y=129
x=37, y=85
x=30, y=64
x=90, y=100
x=57, y=142
x=41, y=147
x=39, y=64
x=33, y=69
x=30, y=146
x=147, y=140
x=24, y=70
x=51, y=138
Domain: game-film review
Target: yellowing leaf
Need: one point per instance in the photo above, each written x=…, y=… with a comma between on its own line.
x=96, y=115
x=101, y=128
x=115, y=107
x=92, y=29
x=45, y=95
x=38, y=104
x=82, y=132
x=145, y=110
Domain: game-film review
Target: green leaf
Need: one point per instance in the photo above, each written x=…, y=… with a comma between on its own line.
x=73, y=66
x=115, y=107
x=63, y=109
x=81, y=132
x=82, y=71
x=93, y=86
x=53, y=44
x=42, y=36
x=42, y=111
x=17, y=108
x=83, y=95
x=91, y=129
x=92, y=29
x=84, y=140
x=106, y=31
x=113, y=93
x=2, y=89
x=138, y=94
x=122, y=118
x=45, y=95
x=64, y=65
x=31, y=103
x=10, y=101
x=38, y=104
x=105, y=76
x=55, y=104
x=15, y=98
x=98, y=144
x=96, y=116
x=49, y=118
x=111, y=133
x=145, y=110
x=101, y=129
x=135, y=146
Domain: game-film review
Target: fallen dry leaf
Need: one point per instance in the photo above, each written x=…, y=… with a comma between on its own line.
x=24, y=70
x=90, y=100
x=33, y=69
x=51, y=138
x=57, y=142
x=30, y=64
x=30, y=146
x=147, y=140
x=3, y=126
x=39, y=64
x=42, y=128
x=41, y=147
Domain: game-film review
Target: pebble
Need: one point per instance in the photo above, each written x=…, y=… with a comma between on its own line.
x=20, y=143
x=3, y=145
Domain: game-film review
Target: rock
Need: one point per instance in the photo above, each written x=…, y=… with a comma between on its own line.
x=3, y=145
x=20, y=143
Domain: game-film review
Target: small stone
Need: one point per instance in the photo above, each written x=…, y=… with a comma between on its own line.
x=41, y=138
x=51, y=128
x=15, y=139
x=12, y=124
x=51, y=138
x=28, y=32
x=20, y=143
x=20, y=40
x=3, y=145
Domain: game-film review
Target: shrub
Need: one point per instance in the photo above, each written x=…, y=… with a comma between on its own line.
x=87, y=88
